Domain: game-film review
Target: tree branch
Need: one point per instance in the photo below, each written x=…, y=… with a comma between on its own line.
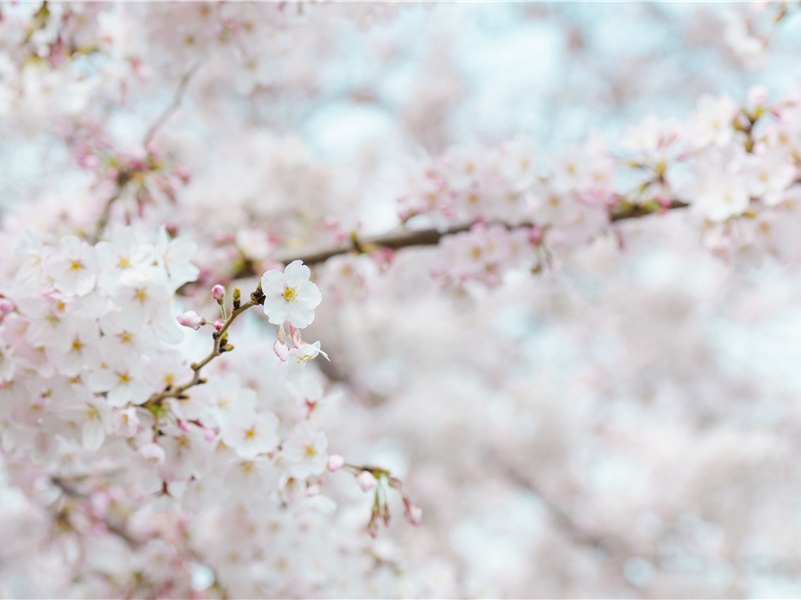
x=124, y=177
x=72, y=493
x=219, y=346
x=408, y=238
x=174, y=105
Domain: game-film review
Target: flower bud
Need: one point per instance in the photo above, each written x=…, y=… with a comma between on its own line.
x=218, y=324
x=295, y=337
x=191, y=319
x=281, y=350
x=335, y=462
x=414, y=513
x=218, y=292
x=6, y=306
x=366, y=480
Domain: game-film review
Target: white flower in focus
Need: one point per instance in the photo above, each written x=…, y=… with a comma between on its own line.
x=290, y=296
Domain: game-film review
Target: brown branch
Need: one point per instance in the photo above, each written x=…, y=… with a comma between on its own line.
x=636, y=211
x=604, y=544
x=118, y=530
x=392, y=241
x=409, y=238
x=612, y=548
x=219, y=346
x=102, y=221
x=72, y=493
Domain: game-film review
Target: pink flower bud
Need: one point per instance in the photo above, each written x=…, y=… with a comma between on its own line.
x=218, y=324
x=415, y=514
x=366, y=481
x=182, y=174
x=191, y=319
x=281, y=350
x=218, y=292
x=372, y=525
x=395, y=483
x=335, y=462
x=536, y=236
x=294, y=336
x=6, y=306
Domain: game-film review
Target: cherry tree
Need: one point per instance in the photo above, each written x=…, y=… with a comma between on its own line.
x=382, y=300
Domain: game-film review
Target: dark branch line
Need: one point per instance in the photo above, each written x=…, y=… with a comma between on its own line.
x=431, y=237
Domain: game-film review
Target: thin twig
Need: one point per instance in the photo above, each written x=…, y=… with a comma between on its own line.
x=174, y=105
x=117, y=530
x=219, y=346
x=125, y=177
x=102, y=221
x=134, y=544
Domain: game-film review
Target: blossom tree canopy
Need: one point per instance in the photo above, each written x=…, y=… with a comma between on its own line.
x=525, y=281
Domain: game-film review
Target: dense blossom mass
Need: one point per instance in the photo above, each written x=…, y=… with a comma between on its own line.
x=524, y=294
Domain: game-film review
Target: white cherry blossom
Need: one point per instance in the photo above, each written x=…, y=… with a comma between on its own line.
x=73, y=267
x=305, y=450
x=290, y=296
x=251, y=435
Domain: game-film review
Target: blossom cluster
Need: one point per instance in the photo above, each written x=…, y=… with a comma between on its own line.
x=93, y=367
x=735, y=166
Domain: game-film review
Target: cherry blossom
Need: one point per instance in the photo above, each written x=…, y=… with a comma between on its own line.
x=290, y=296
